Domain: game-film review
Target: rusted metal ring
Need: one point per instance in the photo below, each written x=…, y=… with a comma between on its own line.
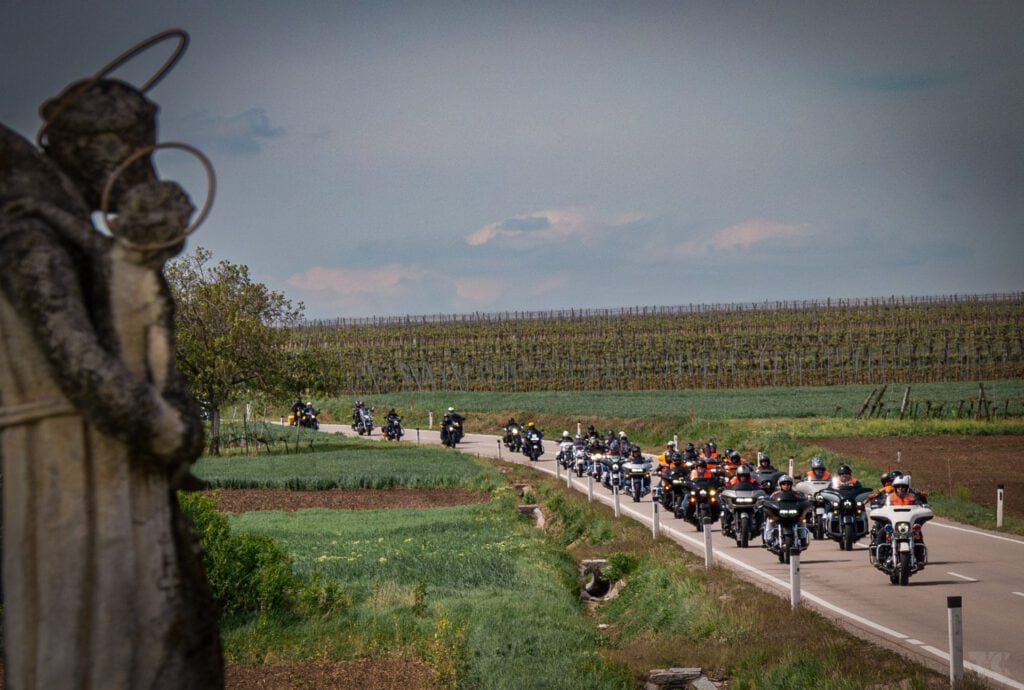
x=211, y=188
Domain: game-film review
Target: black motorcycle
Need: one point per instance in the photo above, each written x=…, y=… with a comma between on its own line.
x=533, y=447
x=451, y=432
x=702, y=501
x=513, y=439
x=784, y=528
x=637, y=477
x=393, y=430
x=306, y=417
x=742, y=517
x=845, y=518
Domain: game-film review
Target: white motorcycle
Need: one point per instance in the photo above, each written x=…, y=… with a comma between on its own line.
x=900, y=550
x=811, y=488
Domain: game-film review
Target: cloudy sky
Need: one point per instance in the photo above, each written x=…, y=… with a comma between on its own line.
x=382, y=158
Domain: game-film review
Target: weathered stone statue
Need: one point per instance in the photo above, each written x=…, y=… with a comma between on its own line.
x=102, y=580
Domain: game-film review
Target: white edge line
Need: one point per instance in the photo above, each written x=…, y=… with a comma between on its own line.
x=1000, y=537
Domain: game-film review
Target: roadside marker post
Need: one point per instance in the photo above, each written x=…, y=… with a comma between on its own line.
x=794, y=577
x=656, y=523
x=590, y=488
x=709, y=556
x=417, y=436
x=617, y=511
x=568, y=478
x=999, y=506
x=499, y=448
x=954, y=607
x=558, y=469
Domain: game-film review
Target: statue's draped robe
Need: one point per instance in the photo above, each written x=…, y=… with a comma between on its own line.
x=102, y=582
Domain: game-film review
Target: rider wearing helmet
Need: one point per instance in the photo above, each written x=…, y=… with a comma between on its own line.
x=701, y=471
x=785, y=489
x=743, y=476
x=818, y=471
x=764, y=463
x=845, y=476
x=666, y=457
x=710, y=450
x=902, y=494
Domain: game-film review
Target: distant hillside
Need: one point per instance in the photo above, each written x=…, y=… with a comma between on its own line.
x=876, y=340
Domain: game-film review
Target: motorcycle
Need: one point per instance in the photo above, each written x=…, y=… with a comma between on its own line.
x=902, y=550
x=843, y=517
x=533, y=448
x=581, y=460
x=566, y=457
x=768, y=478
x=305, y=417
x=611, y=472
x=513, y=438
x=742, y=518
x=812, y=488
x=363, y=423
x=784, y=528
x=393, y=429
x=451, y=433
x=637, y=475
x=701, y=501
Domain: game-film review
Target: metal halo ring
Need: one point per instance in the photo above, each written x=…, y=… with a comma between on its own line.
x=124, y=57
x=211, y=188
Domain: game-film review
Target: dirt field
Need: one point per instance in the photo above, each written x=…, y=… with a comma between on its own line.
x=943, y=463
x=245, y=500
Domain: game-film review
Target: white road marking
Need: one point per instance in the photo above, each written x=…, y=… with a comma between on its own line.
x=1019, y=594
x=1020, y=542
x=962, y=577
x=913, y=641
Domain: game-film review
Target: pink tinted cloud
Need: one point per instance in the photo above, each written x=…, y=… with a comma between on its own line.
x=739, y=237
x=353, y=282
x=553, y=225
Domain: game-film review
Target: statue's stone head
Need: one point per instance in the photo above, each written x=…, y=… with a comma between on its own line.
x=92, y=127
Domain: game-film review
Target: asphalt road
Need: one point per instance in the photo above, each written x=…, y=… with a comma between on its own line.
x=984, y=568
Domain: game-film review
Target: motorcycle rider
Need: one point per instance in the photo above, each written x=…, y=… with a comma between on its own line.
x=297, y=409
x=878, y=498
x=743, y=479
x=565, y=446
x=356, y=412
x=903, y=495
x=764, y=463
x=845, y=477
x=710, y=449
x=621, y=445
x=818, y=471
x=701, y=471
x=665, y=458
x=785, y=492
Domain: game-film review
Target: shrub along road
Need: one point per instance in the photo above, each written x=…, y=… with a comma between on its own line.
x=980, y=566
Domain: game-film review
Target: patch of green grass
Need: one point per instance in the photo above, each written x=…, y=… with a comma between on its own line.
x=351, y=464
x=732, y=403
x=476, y=591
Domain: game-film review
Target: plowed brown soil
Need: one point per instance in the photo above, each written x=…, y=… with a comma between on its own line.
x=364, y=675
x=943, y=463
x=245, y=500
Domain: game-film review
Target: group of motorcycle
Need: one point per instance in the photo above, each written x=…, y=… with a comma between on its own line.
x=362, y=422
x=786, y=521
x=528, y=440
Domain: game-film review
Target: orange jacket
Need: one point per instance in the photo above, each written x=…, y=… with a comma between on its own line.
x=736, y=480
x=813, y=477
x=697, y=474
x=908, y=499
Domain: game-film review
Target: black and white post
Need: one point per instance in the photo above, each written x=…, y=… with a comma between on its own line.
x=616, y=491
x=656, y=522
x=954, y=607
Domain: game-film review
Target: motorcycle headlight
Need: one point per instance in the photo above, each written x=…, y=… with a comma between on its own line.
x=903, y=528
x=788, y=512
x=615, y=467
x=676, y=482
x=703, y=492
x=847, y=504
x=712, y=492
x=744, y=501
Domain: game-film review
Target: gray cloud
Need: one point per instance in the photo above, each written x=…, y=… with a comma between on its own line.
x=242, y=134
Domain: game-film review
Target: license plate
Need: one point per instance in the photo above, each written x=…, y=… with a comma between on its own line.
x=904, y=546
x=819, y=511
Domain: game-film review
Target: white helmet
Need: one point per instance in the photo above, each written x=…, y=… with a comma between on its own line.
x=565, y=434
x=451, y=409
x=901, y=481
x=622, y=434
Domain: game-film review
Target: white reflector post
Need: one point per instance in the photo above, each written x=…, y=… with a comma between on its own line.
x=956, y=640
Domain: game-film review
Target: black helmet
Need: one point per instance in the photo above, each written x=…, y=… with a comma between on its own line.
x=844, y=469
x=764, y=461
x=742, y=470
x=734, y=456
x=701, y=462
x=785, y=479
x=886, y=478
x=817, y=463
x=688, y=447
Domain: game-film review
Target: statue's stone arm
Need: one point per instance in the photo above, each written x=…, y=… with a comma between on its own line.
x=40, y=278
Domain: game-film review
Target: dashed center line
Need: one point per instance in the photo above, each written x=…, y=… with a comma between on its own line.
x=962, y=577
